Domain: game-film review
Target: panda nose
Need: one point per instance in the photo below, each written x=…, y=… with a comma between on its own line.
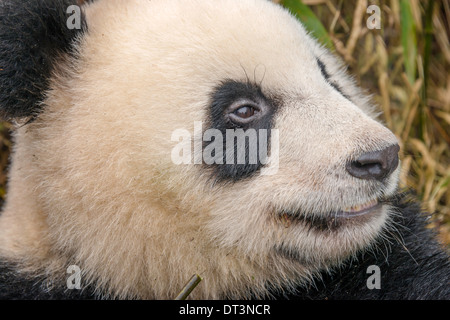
x=375, y=165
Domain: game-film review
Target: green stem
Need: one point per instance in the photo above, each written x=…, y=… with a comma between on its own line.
x=426, y=64
x=193, y=282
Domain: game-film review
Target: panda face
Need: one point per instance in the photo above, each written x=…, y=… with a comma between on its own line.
x=114, y=196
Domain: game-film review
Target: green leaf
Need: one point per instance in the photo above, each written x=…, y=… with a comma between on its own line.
x=309, y=20
x=409, y=39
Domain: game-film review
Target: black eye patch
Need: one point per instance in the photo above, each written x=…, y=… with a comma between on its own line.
x=323, y=69
x=327, y=77
x=242, y=142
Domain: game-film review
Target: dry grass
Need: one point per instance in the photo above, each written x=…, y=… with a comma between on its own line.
x=408, y=73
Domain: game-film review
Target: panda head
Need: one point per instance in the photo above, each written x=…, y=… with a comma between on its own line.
x=126, y=169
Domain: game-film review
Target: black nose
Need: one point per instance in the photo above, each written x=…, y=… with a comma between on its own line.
x=375, y=165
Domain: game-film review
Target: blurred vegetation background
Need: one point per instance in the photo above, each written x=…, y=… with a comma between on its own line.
x=404, y=64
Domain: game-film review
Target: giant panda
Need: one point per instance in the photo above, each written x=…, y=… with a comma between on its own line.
x=122, y=168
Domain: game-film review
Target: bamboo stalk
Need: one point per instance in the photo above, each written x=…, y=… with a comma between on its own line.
x=186, y=291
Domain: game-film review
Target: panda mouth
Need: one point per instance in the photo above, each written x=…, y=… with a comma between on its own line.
x=359, y=210
x=357, y=214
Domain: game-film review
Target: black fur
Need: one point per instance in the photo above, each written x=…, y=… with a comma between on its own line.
x=327, y=77
x=33, y=35
x=224, y=95
x=413, y=266
x=15, y=285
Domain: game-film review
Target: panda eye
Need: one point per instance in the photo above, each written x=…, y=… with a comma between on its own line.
x=243, y=112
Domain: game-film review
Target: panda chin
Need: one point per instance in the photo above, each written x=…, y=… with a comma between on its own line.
x=332, y=221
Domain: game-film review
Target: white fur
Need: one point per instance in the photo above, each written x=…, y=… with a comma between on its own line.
x=92, y=182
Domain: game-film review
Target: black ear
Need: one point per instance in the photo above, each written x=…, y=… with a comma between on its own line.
x=33, y=34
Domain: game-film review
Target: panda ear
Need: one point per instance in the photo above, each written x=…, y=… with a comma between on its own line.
x=33, y=33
